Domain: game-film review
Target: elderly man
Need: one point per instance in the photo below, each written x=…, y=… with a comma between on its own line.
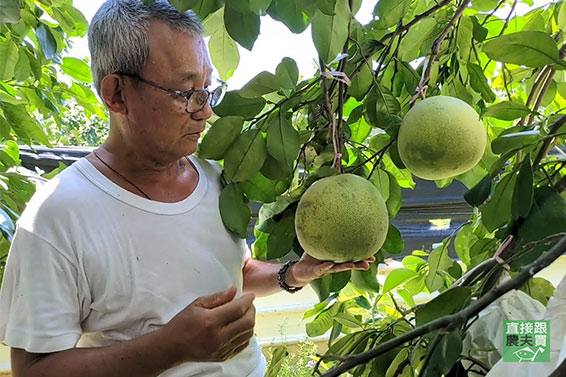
x=121, y=265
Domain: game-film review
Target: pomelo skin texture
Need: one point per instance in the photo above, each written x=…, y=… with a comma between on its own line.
x=441, y=137
x=342, y=218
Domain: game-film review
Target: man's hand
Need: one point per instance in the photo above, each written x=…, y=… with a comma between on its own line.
x=309, y=268
x=212, y=328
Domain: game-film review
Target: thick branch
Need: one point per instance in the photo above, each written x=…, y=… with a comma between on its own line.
x=421, y=89
x=455, y=320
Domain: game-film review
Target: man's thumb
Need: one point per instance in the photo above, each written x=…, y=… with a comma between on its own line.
x=217, y=299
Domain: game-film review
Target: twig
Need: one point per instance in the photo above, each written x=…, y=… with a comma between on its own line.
x=541, y=94
x=331, y=118
x=383, y=150
x=493, y=12
x=421, y=89
x=453, y=321
x=548, y=142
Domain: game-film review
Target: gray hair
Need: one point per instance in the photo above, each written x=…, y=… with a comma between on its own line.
x=117, y=35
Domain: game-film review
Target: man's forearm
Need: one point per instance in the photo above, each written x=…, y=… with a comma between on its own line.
x=146, y=356
x=260, y=278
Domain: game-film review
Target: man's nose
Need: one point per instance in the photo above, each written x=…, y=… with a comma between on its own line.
x=204, y=113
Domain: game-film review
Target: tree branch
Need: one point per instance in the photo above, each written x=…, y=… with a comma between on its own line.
x=421, y=89
x=455, y=320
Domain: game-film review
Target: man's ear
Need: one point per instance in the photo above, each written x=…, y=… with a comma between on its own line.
x=113, y=96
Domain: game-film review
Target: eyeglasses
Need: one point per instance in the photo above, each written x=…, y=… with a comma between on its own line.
x=195, y=99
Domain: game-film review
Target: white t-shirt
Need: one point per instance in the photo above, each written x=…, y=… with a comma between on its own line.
x=92, y=264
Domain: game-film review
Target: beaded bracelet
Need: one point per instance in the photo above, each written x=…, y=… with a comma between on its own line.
x=281, y=278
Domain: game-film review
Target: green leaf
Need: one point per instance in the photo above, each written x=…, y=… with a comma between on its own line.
x=406, y=296
x=291, y=13
x=410, y=76
x=263, y=83
x=277, y=358
x=394, y=202
x=224, y=53
x=24, y=126
x=361, y=83
x=348, y=320
x=8, y=60
x=464, y=39
x=234, y=211
x=234, y=104
x=438, y=261
x=462, y=243
x=479, y=193
x=323, y=321
x=270, y=210
x=47, y=41
x=547, y=216
x=497, y=211
x=391, y=11
x=288, y=73
x=243, y=27
x=448, y=302
x=410, y=48
x=527, y=48
x=561, y=18
x=330, y=33
x=23, y=67
x=11, y=149
x=245, y=156
x=77, y=69
x=515, y=140
x=322, y=287
x=507, y=111
x=380, y=179
x=394, y=243
x=478, y=81
x=259, y=189
x=480, y=32
x=383, y=110
x=283, y=139
x=523, y=195
x=9, y=12
x=339, y=280
x=444, y=355
x=275, y=169
x=219, y=137
x=280, y=240
x=366, y=280
x=540, y=289
x=397, y=277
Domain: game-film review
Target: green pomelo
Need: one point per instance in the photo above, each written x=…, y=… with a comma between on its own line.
x=441, y=137
x=342, y=218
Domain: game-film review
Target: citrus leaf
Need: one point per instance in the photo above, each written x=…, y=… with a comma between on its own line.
x=462, y=243
x=348, y=320
x=391, y=11
x=278, y=356
x=527, y=48
x=263, y=83
x=8, y=60
x=549, y=209
x=447, y=302
x=394, y=243
x=259, y=189
x=444, y=355
x=515, y=140
x=219, y=137
x=243, y=27
x=479, y=193
x=397, y=277
x=47, y=41
x=330, y=33
x=361, y=83
x=323, y=322
x=288, y=73
x=478, y=82
x=9, y=12
x=283, y=139
x=523, y=195
x=291, y=13
x=497, y=211
x=275, y=169
x=366, y=279
x=245, y=156
x=224, y=53
x=339, y=280
x=438, y=261
x=281, y=238
x=234, y=211
x=507, y=111
x=77, y=69
x=234, y=104
x=406, y=296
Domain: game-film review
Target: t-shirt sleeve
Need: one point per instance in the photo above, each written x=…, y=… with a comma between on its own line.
x=39, y=297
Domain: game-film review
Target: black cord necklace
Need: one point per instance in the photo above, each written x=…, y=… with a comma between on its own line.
x=120, y=175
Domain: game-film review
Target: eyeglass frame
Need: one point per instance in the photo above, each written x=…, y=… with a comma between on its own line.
x=185, y=94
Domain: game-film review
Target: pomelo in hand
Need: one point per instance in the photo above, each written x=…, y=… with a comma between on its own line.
x=441, y=137
x=341, y=218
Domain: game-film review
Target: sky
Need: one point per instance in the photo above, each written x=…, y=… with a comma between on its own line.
x=266, y=54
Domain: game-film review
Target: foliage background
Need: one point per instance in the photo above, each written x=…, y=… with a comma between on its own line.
x=278, y=134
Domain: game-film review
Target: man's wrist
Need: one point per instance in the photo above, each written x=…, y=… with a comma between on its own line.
x=290, y=278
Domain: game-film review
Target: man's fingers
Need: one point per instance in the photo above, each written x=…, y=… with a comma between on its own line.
x=216, y=299
x=241, y=325
x=232, y=311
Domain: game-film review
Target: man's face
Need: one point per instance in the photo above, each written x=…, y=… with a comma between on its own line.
x=157, y=119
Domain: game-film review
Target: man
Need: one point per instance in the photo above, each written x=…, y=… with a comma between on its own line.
x=121, y=265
